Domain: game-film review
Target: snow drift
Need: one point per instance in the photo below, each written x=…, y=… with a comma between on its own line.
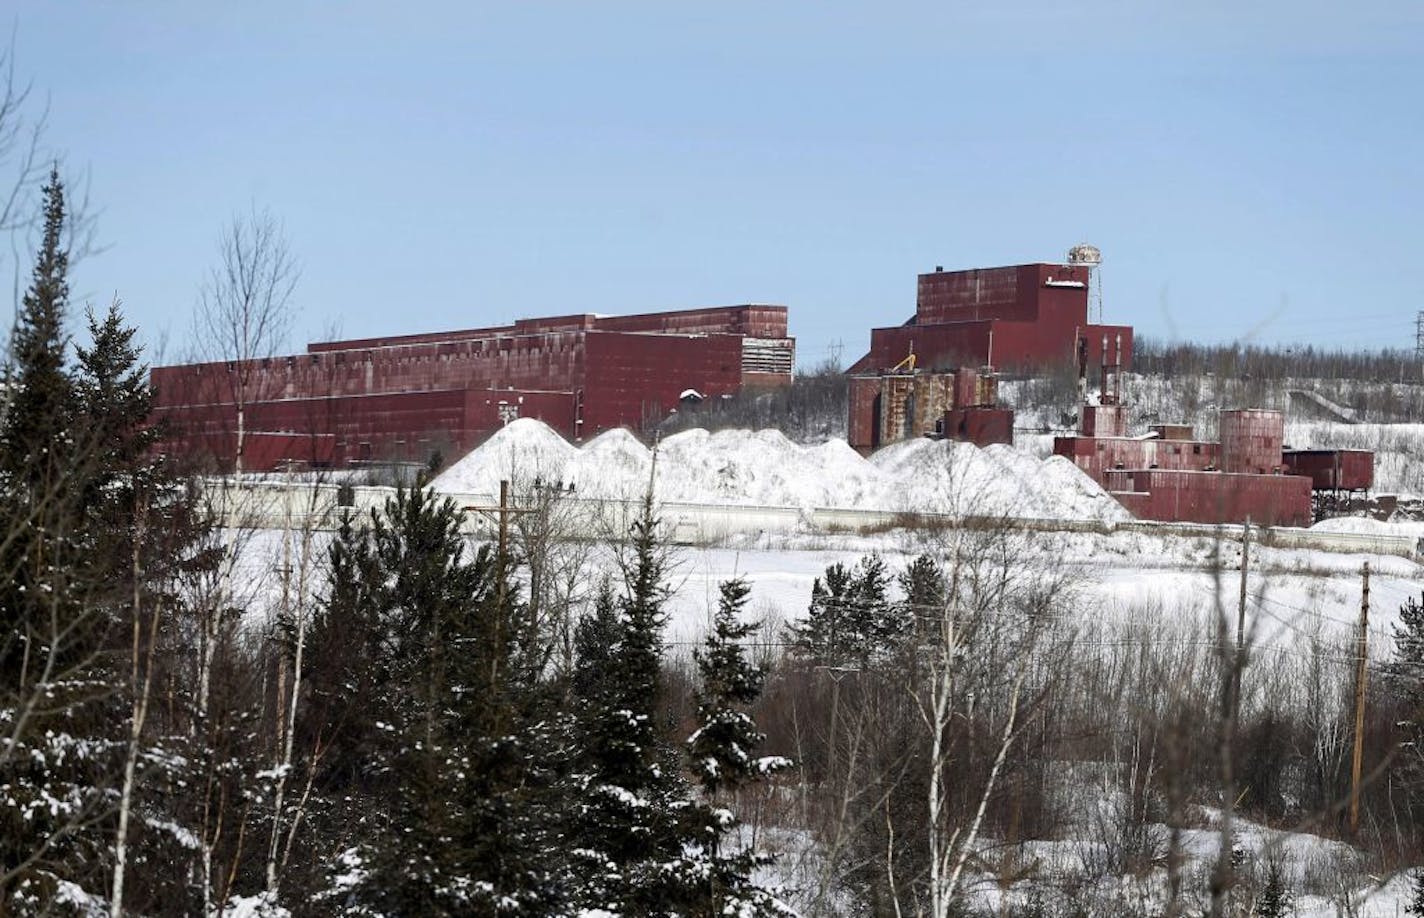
x=765, y=468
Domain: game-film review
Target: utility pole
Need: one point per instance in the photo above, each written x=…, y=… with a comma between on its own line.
x=502, y=513
x=1361, y=672
x=1240, y=662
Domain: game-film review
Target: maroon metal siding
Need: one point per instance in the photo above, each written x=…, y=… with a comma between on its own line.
x=633, y=378
x=864, y=421
x=1333, y=469
x=1215, y=497
x=1100, y=455
x=406, y=396
x=980, y=426
x=1251, y=440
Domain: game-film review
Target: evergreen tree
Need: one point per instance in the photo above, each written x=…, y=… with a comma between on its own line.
x=1275, y=900
x=113, y=400
x=851, y=620
x=1406, y=677
x=626, y=831
x=58, y=761
x=823, y=637
x=925, y=589
x=446, y=740
x=722, y=758
x=881, y=623
x=35, y=438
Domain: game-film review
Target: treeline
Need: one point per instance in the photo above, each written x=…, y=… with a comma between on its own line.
x=811, y=408
x=974, y=740
x=1151, y=356
x=392, y=727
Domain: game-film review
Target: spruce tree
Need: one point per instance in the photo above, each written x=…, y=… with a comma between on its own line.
x=445, y=745
x=722, y=757
x=1275, y=900
x=626, y=831
x=35, y=438
x=114, y=402
x=55, y=684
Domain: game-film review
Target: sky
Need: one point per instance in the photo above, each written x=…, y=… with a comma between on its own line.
x=1250, y=175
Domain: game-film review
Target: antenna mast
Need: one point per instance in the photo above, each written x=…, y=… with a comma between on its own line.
x=1090, y=257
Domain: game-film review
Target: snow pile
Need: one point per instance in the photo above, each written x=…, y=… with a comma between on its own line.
x=765, y=468
x=521, y=451
x=1363, y=525
x=942, y=476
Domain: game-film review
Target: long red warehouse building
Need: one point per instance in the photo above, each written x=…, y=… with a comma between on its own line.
x=408, y=397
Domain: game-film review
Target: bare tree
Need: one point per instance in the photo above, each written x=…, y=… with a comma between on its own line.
x=245, y=308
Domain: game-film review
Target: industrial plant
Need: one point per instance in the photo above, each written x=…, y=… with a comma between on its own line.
x=434, y=396
x=411, y=397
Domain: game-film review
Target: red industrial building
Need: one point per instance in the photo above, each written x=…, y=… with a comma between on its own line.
x=1169, y=475
x=1024, y=317
x=904, y=403
x=917, y=378
x=404, y=398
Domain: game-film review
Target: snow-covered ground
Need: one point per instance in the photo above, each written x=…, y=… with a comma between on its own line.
x=1301, y=602
x=1126, y=577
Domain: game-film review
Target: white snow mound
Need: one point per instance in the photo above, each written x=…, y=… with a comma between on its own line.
x=764, y=468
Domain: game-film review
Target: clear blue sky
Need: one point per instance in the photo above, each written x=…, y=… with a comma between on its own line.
x=1256, y=173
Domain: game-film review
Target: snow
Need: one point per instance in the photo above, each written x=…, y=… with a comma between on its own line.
x=258, y=906
x=1362, y=525
x=1295, y=596
x=765, y=468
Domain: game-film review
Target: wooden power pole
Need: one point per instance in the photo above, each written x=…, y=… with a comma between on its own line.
x=502, y=514
x=1361, y=675
x=1241, y=624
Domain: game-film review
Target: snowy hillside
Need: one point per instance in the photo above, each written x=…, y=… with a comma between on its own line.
x=765, y=468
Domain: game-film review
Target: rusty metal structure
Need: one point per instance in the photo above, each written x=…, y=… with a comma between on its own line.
x=1169, y=475
x=408, y=397
x=905, y=403
x=1022, y=317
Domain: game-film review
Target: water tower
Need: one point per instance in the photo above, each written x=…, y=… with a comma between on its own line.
x=1090, y=257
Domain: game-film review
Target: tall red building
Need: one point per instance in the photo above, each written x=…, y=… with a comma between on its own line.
x=406, y=397
x=1025, y=316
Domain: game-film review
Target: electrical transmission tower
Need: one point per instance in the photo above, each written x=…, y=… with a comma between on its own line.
x=1419, y=336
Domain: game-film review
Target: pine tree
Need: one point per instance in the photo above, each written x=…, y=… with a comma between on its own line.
x=881, y=623
x=55, y=684
x=851, y=620
x=722, y=758
x=1406, y=676
x=1275, y=900
x=925, y=589
x=626, y=831
x=448, y=732
x=824, y=637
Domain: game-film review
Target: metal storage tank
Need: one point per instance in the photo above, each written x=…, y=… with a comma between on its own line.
x=1251, y=440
